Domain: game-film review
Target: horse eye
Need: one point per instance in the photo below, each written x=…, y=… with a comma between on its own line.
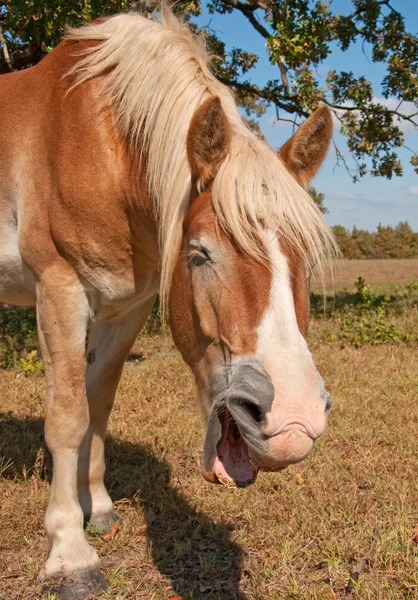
x=198, y=255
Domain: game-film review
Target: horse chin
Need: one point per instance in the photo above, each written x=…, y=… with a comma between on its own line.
x=287, y=448
x=232, y=466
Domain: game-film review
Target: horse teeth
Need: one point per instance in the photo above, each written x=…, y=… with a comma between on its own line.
x=227, y=482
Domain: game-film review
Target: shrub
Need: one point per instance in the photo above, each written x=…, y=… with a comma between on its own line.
x=18, y=338
x=19, y=344
x=365, y=320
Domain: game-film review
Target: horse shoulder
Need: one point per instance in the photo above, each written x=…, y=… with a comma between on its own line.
x=70, y=178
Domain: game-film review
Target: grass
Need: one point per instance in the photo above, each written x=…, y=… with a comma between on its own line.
x=381, y=274
x=293, y=535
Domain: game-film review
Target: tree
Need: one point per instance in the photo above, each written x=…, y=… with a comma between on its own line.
x=347, y=245
x=365, y=241
x=318, y=198
x=407, y=238
x=299, y=36
x=387, y=242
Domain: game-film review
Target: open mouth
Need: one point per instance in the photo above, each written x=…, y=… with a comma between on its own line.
x=232, y=465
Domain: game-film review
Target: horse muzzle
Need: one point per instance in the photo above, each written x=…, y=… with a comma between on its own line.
x=240, y=439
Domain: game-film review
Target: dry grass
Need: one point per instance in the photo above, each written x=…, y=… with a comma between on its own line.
x=293, y=535
x=377, y=273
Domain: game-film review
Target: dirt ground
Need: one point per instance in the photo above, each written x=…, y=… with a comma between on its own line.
x=293, y=535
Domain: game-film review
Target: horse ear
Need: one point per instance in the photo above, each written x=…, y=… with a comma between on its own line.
x=208, y=140
x=304, y=152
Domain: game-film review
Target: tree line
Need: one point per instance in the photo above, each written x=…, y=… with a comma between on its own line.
x=400, y=241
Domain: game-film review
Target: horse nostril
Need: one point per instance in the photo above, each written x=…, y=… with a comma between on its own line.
x=248, y=406
x=328, y=401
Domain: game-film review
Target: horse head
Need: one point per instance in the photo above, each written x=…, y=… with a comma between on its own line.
x=240, y=320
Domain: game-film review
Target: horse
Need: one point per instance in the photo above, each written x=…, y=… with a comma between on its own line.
x=127, y=170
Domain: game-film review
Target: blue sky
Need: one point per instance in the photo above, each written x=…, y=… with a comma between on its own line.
x=371, y=200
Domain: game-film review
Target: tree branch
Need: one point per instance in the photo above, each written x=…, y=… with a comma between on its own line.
x=294, y=108
x=23, y=58
x=340, y=159
x=5, y=50
x=248, y=11
x=366, y=109
x=289, y=106
x=381, y=3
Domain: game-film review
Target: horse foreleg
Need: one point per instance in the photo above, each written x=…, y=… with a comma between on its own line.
x=109, y=344
x=63, y=314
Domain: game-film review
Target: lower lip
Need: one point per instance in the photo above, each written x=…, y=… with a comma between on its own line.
x=210, y=477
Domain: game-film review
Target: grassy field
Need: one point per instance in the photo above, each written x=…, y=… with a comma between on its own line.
x=381, y=274
x=293, y=535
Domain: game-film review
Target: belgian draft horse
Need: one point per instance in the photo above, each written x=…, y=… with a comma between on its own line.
x=127, y=171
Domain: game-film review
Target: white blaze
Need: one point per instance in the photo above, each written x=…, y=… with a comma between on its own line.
x=285, y=355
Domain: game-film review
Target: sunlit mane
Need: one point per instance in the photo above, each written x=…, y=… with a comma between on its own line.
x=157, y=74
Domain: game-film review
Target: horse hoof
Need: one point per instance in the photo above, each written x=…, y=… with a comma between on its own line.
x=82, y=584
x=103, y=523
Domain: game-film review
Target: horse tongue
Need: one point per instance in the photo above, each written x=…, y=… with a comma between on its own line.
x=232, y=465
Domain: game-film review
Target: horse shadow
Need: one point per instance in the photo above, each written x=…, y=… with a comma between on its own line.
x=195, y=553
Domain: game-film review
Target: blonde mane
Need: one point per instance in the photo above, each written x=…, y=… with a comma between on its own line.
x=157, y=74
